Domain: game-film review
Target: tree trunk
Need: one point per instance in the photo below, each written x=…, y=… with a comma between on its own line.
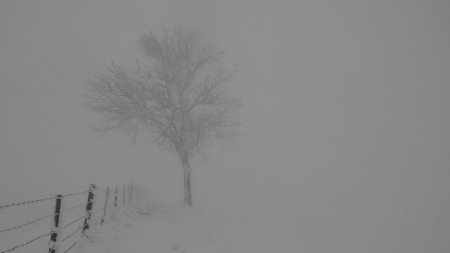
x=187, y=181
x=187, y=188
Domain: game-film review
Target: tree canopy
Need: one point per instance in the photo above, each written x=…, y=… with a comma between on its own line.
x=178, y=95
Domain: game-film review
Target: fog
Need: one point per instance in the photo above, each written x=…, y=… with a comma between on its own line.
x=345, y=108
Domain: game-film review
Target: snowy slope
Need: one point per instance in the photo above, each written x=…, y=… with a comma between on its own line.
x=178, y=229
x=186, y=230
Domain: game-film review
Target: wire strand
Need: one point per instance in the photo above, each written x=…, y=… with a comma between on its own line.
x=75, y=243
x=27, y=202
x=26, y=224
x=74, y=207
x=74, y=194
x=73, y=233
x=72, y=222
x=26, y=243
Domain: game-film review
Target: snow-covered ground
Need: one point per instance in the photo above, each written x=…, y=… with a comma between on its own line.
x=191, y=230
x=188, y=229
x=29, y=215
x=180, y=229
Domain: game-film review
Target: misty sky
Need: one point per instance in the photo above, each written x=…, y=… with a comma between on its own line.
x=346, y=106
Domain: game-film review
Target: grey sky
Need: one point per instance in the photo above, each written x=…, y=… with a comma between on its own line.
x=346, y=104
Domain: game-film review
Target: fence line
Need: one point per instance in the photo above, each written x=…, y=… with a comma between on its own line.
x=76, y=206
x=73, y=233
x=74, y=194
x=44, y=199
x=26, y=243
x=75, y=243
x=26, y=224
x=58, y=228
x=27, y=202
x=72, y=222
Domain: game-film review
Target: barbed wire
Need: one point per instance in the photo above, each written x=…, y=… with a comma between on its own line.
x=44, y=235
x=76, y=206
x=40, y=200
x=26, y=243
x=80, y=227
x=44, y=217
x=27, y=202
x=47, y=216
x=73, y=233
x=45, y=199
x=26, y=224
x=76, y=193
x=72, y=222
x=75, y=243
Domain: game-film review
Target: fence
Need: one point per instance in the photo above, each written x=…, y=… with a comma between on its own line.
x=61, y=233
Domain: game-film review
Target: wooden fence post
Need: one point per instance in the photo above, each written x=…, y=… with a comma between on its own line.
x=136, y=193
x=57, y=220
x=116, y=193
x=106, y=205
x=130, y=196
x=90, y=202
x=123, y=195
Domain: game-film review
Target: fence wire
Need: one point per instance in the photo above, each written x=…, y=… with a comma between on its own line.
x=27, y=202
x=74, y=194
x=71, y=246
x=42, y=199
x=26, y=243
x=26, y=224
x=76, y=206
x=72, y=234
x=75, y=243
x=79, y=228
x=51, y=215
x=72, y=222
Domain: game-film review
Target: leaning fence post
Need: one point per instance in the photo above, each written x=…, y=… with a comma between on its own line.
x=136, y=193
x=131, y=194
x=106, y=205
x=123, y=195
x=57, y=220
x=90, y=200
x=128, y=194
x=116, y=193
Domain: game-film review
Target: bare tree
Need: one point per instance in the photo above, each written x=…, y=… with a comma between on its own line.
x=178, y=96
